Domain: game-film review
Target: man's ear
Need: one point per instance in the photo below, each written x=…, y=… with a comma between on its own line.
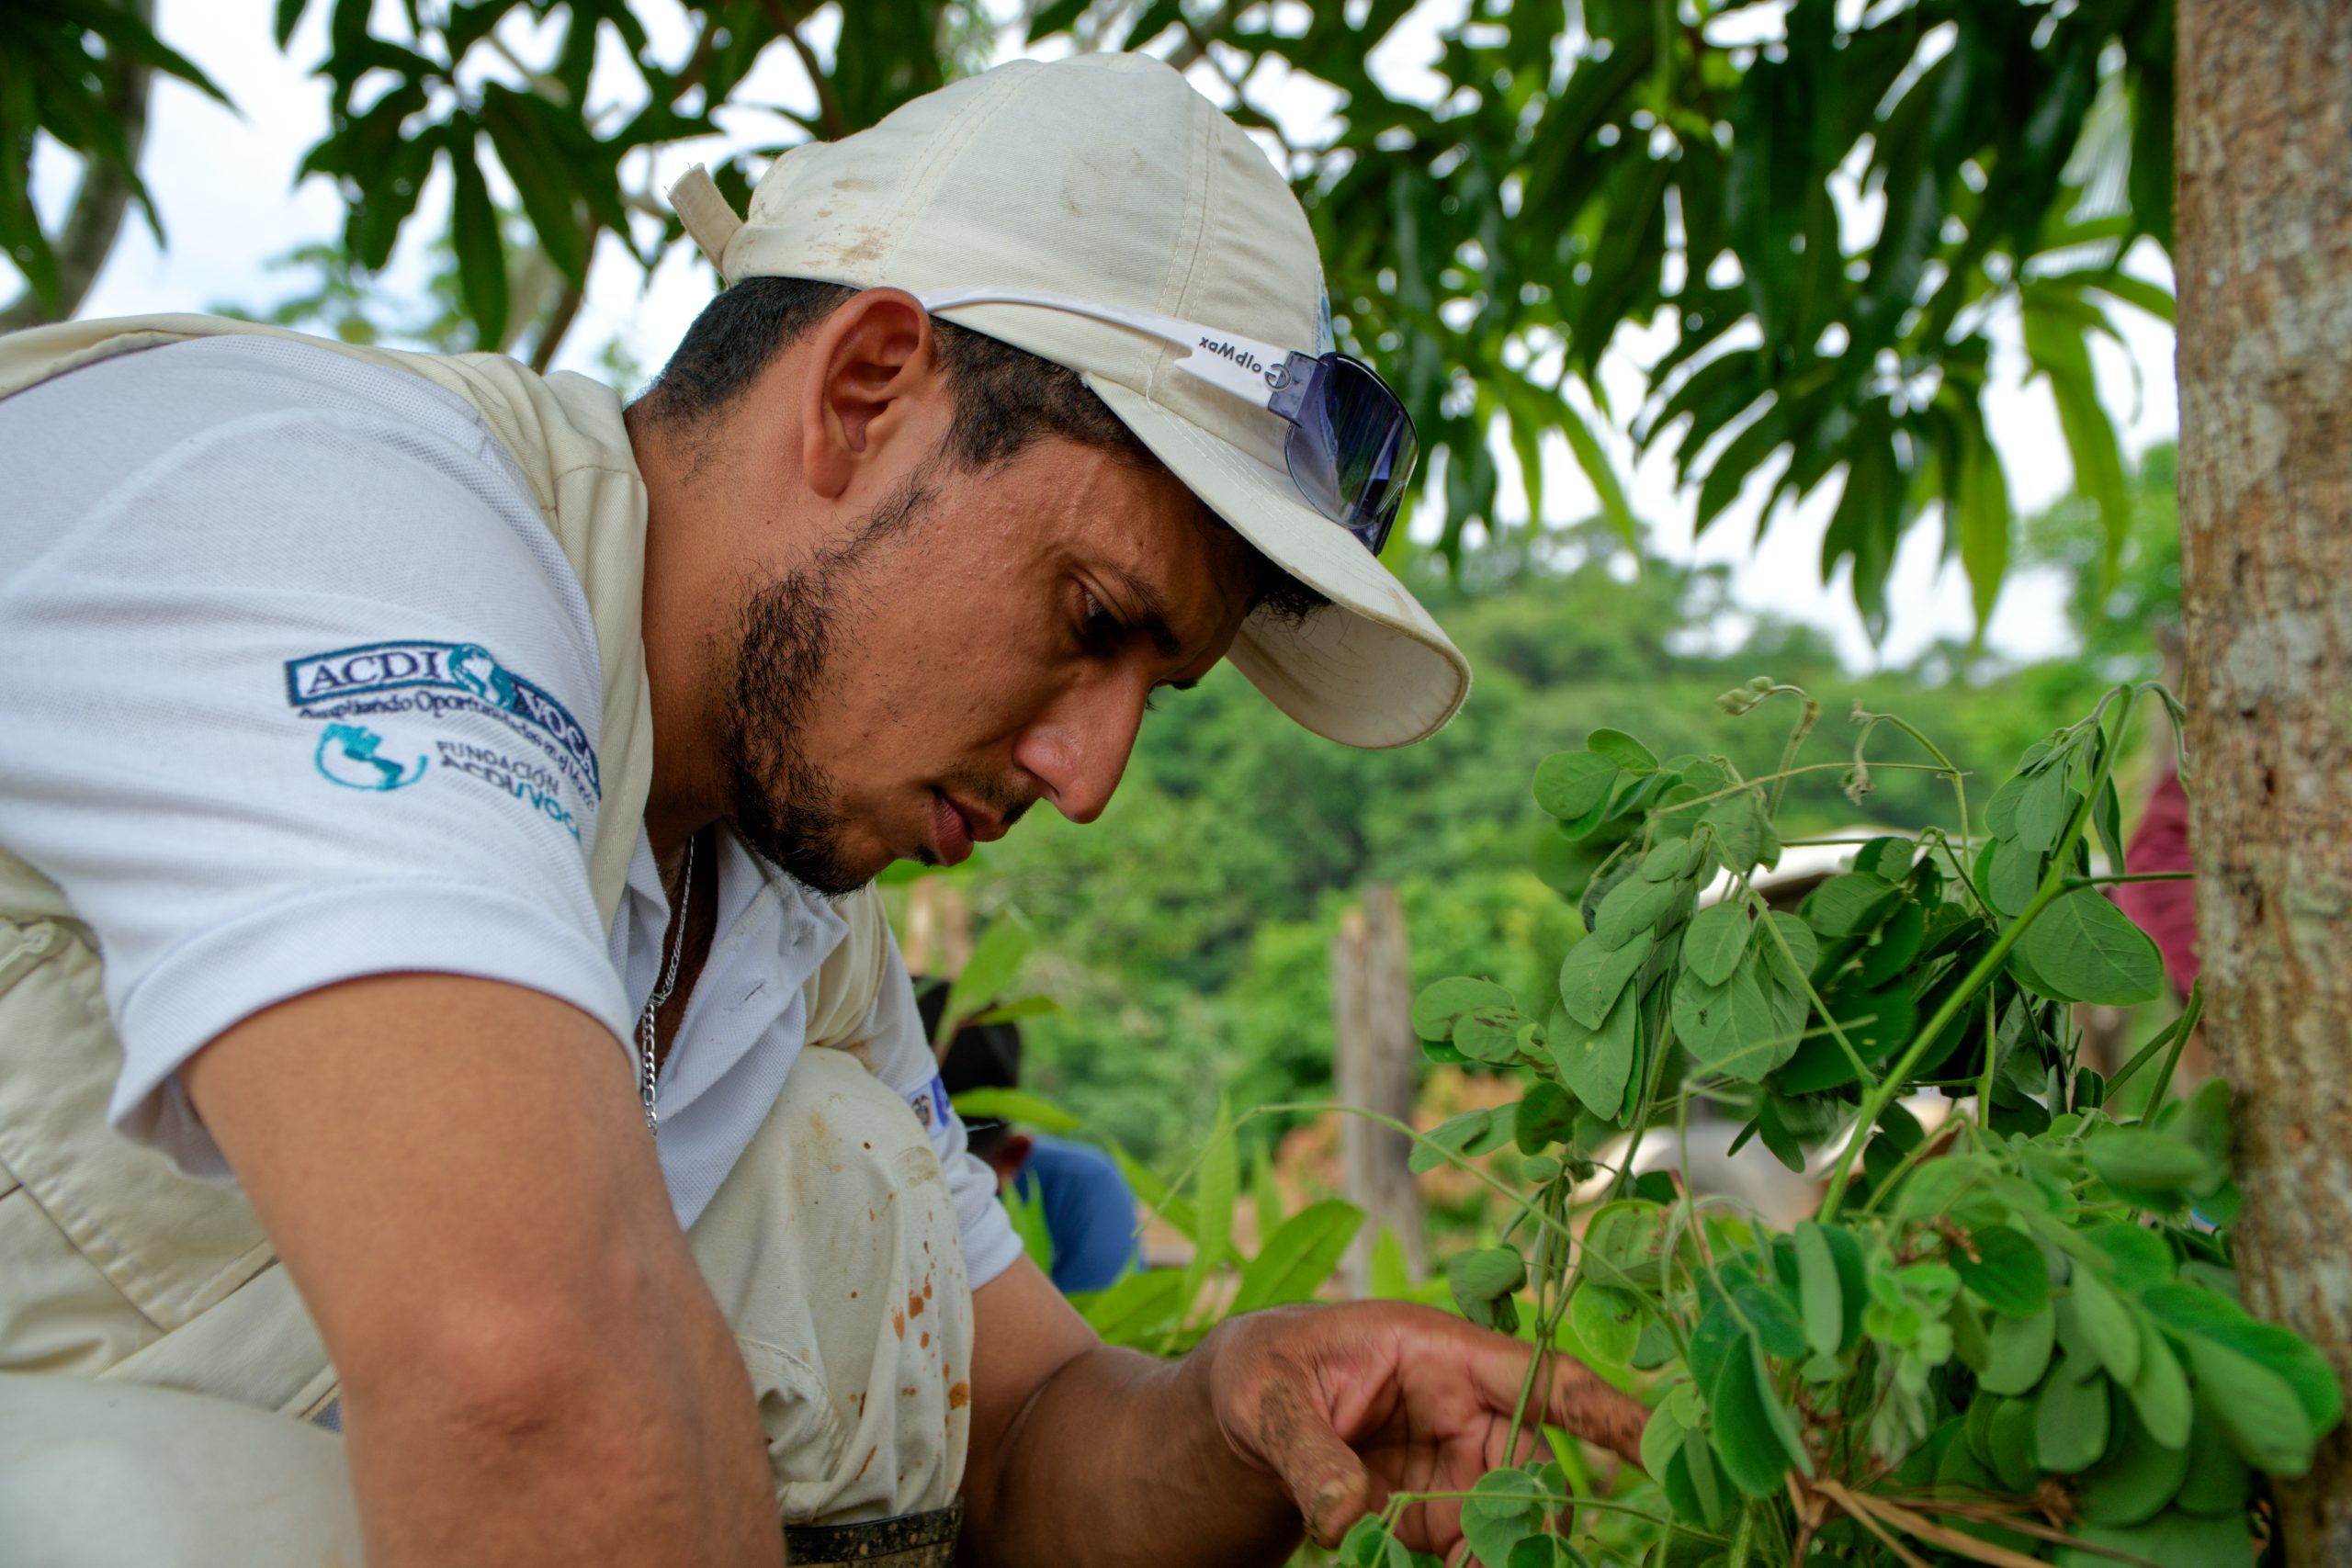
x=872, y=361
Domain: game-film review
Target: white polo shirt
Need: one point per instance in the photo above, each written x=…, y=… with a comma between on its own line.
x=296, y=687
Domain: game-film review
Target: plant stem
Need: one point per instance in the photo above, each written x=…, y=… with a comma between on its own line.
x=2179, y=1043
x=2053, y=883
x=1874, y=1105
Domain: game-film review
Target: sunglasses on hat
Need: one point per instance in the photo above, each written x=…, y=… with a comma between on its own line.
x=1351, y=446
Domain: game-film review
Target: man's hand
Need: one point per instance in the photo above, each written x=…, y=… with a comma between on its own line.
x=1097, y=1457
x=1347, y=1405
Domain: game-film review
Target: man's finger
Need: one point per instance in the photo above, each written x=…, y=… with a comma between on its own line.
x=1322, y=1474
x=1581, y=1403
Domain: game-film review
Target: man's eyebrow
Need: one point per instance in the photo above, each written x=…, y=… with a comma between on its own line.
x=1151, y=618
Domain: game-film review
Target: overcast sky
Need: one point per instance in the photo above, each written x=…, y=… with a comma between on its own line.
x=225, y=186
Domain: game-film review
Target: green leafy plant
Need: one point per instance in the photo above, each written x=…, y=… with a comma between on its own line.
x=2013, y=1338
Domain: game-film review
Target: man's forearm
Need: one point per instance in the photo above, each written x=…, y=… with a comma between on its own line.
x=1118, y=1459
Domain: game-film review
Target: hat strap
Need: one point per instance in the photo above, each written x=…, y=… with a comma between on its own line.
x=706, y=214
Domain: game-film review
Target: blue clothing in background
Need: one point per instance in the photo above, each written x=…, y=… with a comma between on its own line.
x=1090, y=1212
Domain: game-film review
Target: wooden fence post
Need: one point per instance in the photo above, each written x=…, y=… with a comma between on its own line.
x=1375, y=1061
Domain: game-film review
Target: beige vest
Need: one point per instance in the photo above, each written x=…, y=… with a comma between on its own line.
x=113, y=1264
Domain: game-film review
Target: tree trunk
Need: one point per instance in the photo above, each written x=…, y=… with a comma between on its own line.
x=1375, y=1062
x=2264, y=261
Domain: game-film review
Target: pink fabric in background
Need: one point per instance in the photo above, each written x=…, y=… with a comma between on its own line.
x=2166, y=911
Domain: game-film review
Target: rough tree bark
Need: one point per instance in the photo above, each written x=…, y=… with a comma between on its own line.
x=95, y=218
x=2263, y=265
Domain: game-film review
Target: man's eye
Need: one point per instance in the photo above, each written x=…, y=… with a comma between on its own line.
x=1099, y=631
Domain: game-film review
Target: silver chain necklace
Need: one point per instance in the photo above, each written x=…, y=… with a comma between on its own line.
x=648, y=1087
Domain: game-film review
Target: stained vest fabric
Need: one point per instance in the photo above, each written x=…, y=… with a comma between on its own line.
x=116, y=1266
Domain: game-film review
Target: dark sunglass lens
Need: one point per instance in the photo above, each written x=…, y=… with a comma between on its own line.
x=1352, y=449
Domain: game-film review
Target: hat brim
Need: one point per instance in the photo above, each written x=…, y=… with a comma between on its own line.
x=1373, y=671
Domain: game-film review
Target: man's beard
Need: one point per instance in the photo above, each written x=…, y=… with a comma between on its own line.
x=785, y=805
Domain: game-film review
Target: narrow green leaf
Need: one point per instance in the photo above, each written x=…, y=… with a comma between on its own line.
x=473, y=234
x=1293, y=1263
x=1820, y=1288
x=1015, y=1105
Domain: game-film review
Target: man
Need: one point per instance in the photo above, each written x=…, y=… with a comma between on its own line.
x=370, y=715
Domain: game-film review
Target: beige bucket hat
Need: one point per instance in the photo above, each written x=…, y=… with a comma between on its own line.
x=1108, y=178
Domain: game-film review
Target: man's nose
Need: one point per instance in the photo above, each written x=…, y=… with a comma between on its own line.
x=1078, y=750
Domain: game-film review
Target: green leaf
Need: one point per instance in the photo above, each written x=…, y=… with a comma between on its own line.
x=1219, y=1187
x=2257, y=1407
x=2218, y=1483
x=995, y=959
x=1498, y=1513
x=1888, y=857
x=1293, y=1263
x=1592, y=976
x=1490, y=1035
x=2043, y=810
x=1442, y=1002
x=1483, y=1281
x=543, y=175
x=2108, y=1324
x=1454, y=1133
x=1841, y=904
x=1756, y=1438
x=2160, y=1394
x=1608, y=1322
x=1624, y=1242
x=1019, y=1008
x=2018, y=1351
x=2009, y=875
x=1730, y=1029
x=2175, y=1539
x=1634, y=906
x=1894, y=945
x=2136, y=1479
x=1015, y=1105
x=1774, y=1322
x=1597, y=1063
x=1822, y=1288
x=1137, y=1310
x=1622, y=749
x=473, y=234
x=1573, y=786
x=1740, y=824
x=1715, y=939
x=2007, y=1272
x=2144, y=1166
x=2084, y=949
x=2200, y=1314
x=2070, y=1419
x=1662, y=1436
x=1791, y=971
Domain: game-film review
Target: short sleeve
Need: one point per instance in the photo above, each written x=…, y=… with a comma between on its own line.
x=308, y=695
x=902, y=1059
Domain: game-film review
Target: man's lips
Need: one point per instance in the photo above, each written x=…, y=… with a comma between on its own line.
x=951, y=833
x=958, y=826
